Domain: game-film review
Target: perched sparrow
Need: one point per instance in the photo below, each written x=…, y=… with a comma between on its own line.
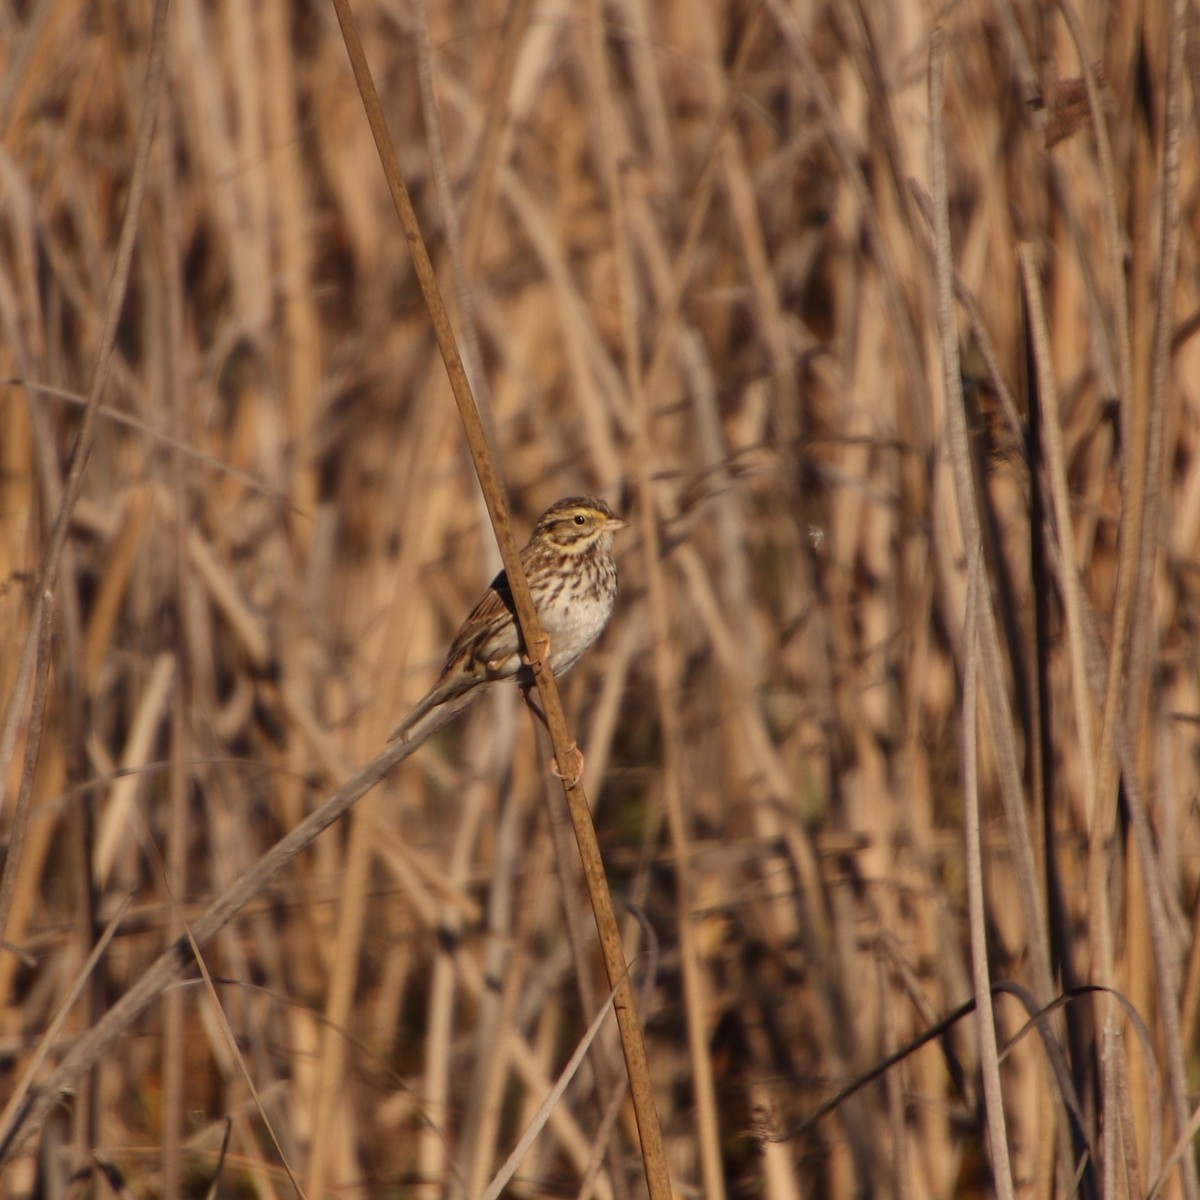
x=573, y=579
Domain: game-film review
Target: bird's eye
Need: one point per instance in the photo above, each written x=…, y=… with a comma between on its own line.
x=580, y=519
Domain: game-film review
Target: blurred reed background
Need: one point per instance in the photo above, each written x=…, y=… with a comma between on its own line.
x=691, y=270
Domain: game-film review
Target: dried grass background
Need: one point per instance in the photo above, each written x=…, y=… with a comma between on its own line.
x=688, y=249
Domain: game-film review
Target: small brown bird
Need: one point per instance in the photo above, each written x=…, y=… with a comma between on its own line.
x=573, y=579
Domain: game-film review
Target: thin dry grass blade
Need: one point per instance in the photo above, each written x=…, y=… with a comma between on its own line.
x=512, y=1163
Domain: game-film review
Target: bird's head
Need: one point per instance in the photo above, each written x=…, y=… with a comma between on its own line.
x=578, y=523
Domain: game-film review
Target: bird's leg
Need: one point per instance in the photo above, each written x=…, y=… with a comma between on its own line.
x=532, y=705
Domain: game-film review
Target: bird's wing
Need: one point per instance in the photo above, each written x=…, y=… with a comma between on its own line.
x=489, y=634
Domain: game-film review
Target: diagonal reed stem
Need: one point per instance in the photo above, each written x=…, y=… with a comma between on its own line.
x=653, y=1154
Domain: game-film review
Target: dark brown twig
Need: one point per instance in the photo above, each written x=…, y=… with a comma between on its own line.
x=653, y=1153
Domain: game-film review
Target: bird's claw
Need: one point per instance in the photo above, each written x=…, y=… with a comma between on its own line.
x=539, y=654
x=571, y=780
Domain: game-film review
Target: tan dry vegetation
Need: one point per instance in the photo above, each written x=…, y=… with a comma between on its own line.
x=689, y=270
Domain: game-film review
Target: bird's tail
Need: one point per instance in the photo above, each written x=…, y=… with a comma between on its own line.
x=440, y=706
x=401, y=732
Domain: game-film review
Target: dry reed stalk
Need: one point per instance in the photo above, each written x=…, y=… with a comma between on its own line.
x=113, y=825
x=437, y=1088
x=498, y=1021
x=1096, y=822
x=1002, y=728
x=485, y=469
x=998, y=1142
x=174, y=1075
x=979, y=636
x=330, y=1113
x=301, y=344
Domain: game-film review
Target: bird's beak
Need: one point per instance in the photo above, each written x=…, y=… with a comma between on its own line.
x=615, y=523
